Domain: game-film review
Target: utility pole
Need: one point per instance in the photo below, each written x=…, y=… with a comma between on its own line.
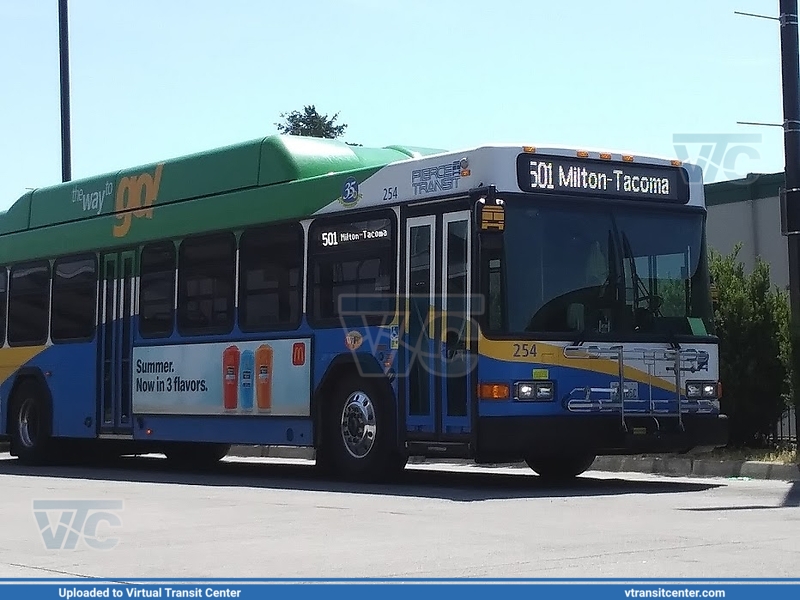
x=63, y=46
x=790, y=80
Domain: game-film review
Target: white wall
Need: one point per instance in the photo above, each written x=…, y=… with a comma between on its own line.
x=757, y=225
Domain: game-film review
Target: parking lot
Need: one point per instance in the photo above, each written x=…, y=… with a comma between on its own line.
x=271, y=518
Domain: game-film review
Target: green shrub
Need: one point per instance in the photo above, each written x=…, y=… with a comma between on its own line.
x=752, y=321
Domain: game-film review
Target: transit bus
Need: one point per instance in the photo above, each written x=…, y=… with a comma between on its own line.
x=501, y=303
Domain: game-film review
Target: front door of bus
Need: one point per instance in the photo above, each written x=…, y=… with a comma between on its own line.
x=436, y=344
x=115, y=343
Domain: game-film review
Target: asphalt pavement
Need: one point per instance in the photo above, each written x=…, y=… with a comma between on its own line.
x=261, y=517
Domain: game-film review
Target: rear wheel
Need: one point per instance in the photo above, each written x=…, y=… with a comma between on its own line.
x=560, y=468
x=361, y=432
x=31, y=424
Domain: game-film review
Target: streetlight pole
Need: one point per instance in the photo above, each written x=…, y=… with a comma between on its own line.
x=63, y=46
x=790, y=80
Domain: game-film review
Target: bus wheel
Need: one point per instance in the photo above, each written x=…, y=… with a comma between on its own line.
x=361, y=430
x=31, y=423
x=560, y=468
x=191, y=455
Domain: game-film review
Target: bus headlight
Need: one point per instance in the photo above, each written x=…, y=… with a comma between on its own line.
x=534, y=390
x=702, y=389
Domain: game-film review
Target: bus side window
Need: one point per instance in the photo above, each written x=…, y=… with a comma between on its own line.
x=3, y=301
x=157, y=290
x=270, y=278
x=29, y=304
x=74, y=299
x=351, y=271
x=206, y=284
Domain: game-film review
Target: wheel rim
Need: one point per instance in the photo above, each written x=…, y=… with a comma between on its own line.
x=359, y=425
x=28, y=423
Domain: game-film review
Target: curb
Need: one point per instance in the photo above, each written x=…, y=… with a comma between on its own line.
x=671, y=466
x=698, y=467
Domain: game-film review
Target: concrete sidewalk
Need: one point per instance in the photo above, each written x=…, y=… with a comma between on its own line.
x=676, y=466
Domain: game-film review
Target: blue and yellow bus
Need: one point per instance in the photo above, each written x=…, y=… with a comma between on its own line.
x=499, y=303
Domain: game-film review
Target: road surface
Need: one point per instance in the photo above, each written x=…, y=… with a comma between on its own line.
x=272, y=518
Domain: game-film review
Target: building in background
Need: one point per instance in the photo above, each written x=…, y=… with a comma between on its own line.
x=747, y=211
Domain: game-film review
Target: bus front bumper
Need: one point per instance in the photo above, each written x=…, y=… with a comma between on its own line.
x=503, y=439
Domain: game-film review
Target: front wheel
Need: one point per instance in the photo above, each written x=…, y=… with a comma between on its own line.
x=560, y=468
x=361, y=431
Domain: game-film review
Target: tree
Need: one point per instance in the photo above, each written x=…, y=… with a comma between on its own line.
x=751, y=319
x=309, y=122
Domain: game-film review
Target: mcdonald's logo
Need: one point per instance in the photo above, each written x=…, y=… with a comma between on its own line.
x=136, y=195
x=298, y=354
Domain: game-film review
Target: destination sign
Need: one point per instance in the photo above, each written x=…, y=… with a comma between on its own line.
x=624, y=180
x=354, y=233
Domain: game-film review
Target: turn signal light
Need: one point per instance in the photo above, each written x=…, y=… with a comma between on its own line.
x=494, y=391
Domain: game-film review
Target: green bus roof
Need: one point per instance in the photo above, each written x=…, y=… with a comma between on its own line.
x=256, y=163
x=270, y=179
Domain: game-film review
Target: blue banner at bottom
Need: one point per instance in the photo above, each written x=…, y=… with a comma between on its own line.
x=401, y=589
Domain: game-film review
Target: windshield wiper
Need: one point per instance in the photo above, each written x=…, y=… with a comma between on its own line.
x=639, y=285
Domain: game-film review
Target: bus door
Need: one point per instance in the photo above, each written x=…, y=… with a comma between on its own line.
x=436, y=348
x=115, y=343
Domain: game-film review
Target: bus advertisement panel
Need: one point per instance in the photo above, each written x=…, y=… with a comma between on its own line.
x=253, y=378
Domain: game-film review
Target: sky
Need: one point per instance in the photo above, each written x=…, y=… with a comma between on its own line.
x=155, y=79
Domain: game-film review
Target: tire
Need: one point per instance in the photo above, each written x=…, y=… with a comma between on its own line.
x=361, y=432
x=31, y=425
x=560, y=468
x=196, y=455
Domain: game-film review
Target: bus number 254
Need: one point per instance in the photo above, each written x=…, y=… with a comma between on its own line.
x=524, y=350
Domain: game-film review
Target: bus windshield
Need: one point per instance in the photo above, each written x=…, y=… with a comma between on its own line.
x=602, y=270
